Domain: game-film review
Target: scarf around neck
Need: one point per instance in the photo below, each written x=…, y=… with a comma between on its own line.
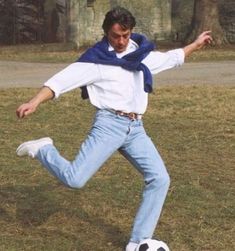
x=100, y=54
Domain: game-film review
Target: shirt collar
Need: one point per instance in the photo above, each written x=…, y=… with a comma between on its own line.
x=132, y=46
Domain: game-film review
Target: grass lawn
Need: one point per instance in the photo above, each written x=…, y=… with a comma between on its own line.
x=194, y=130
x=66, y=53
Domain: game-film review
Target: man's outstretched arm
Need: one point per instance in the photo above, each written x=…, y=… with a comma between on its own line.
x=43, y=95
x=203, y=39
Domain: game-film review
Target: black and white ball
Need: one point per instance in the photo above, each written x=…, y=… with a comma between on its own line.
x=152, y=245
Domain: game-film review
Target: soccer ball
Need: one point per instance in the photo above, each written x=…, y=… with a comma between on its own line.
x=152, y=245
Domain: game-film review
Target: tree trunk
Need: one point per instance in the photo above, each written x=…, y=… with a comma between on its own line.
x=206, y=17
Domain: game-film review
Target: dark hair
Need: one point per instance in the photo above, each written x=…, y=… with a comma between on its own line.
x=118, y=15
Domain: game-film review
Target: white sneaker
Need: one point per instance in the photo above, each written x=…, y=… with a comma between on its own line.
x=131, y=246
x=31, y=148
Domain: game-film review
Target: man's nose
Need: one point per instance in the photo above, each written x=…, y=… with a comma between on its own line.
x=121, y=40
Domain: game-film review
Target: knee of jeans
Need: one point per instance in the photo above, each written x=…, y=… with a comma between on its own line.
x=159, y=180
x=75, y=183
x=166, y=179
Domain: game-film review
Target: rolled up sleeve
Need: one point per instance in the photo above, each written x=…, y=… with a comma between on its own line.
x=73, y=76
x=160, y=61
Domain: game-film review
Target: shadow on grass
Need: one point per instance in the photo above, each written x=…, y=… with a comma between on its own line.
x=32, y=204
x=35, y=205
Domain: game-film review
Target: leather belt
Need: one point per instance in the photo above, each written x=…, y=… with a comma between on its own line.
x=130, y=115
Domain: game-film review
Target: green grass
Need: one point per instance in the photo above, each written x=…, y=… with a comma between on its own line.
x=56, y=53
x=194, y=130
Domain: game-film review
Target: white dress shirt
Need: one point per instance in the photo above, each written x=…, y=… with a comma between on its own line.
x=112, y=87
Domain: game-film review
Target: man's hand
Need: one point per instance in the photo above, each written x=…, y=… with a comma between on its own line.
x=203, y=39
x=27, y=108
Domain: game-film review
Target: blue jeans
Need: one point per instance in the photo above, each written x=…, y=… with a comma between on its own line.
x=111, y=132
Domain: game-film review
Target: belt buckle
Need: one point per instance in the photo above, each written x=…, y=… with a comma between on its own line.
x=132, y=115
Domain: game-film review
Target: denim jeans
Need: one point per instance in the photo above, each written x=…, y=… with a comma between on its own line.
x=111, y=132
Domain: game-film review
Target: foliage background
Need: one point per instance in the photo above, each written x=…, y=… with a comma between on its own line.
x=29, y=21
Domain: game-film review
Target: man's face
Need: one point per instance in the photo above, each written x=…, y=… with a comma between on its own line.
x=118, y=37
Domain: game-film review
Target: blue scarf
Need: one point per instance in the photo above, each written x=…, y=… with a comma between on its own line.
x=99, y=54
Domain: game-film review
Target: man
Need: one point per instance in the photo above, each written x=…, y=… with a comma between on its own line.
x=117, y=73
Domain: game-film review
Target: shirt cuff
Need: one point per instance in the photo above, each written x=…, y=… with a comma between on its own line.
x=53, y=86
x=180, y=56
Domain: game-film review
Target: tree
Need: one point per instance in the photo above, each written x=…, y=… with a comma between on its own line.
x=206, y=17
x=30, y=20
x=8, y=28
x=24, y=21
x=21, y=21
